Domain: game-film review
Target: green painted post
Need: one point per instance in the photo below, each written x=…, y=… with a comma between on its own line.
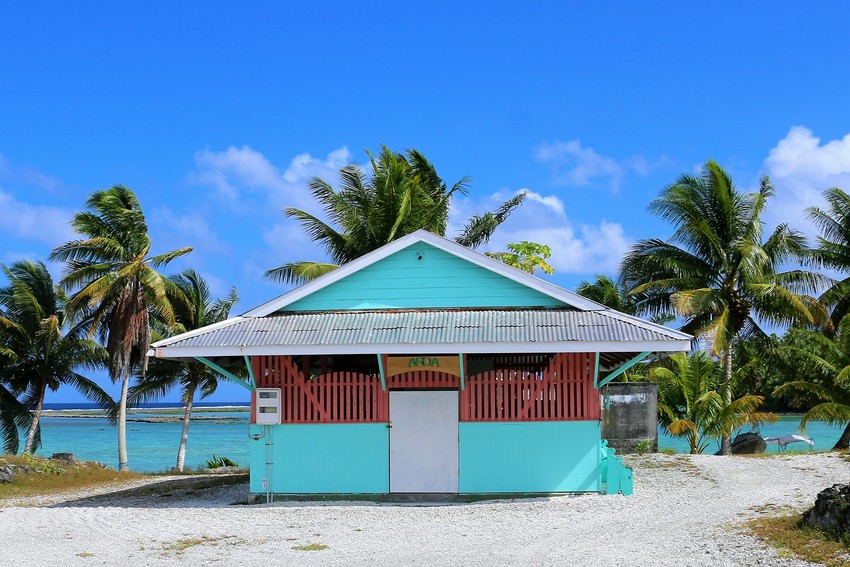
x=383, y=374
x=225, y=373
x=250, y=371
x=623, y=368
x=596, y=372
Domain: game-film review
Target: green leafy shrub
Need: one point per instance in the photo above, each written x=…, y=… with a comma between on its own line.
x=218, y=462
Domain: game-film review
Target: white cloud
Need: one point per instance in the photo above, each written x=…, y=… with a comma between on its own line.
x=574, y=164
x=801, y=168
x=41, y=223
x=240, y=175
x=177, y=230
x=304, y=166
x=27, y=175
x=234, y=169
x=549, y=201
x=577, y=248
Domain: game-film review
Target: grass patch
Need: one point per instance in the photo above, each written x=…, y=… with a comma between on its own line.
x=181, y=545
x=681, y=462
x=47, y=476
x=310, y=547
x=793, y=539
x=85, y=554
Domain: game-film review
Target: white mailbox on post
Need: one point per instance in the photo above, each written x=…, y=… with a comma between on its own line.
x=268, y=406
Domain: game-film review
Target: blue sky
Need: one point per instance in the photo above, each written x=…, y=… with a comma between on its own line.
x=217, y=114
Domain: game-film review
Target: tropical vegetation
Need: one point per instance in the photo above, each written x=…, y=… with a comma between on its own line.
x=716, y=272
x=41, y=348
x=402, y=195
x=194, y=307
x=117, y=285
x=609, y=293
x=526, y=256
x=690, y=403
x=748, y=295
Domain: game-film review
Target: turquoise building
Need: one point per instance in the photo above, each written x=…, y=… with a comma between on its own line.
x=426, y=367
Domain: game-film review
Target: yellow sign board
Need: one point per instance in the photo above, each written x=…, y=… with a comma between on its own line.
x=402, y=364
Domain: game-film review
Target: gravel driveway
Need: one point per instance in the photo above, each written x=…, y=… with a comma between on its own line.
x=684, y=512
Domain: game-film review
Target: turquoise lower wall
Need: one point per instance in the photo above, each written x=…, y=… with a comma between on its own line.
x=552, y=456
x=322, y=458
x=494, y=457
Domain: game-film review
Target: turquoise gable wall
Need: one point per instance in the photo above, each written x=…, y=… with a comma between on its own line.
x=437, y=280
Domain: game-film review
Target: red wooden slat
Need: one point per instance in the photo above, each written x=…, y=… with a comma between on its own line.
x=361, y=386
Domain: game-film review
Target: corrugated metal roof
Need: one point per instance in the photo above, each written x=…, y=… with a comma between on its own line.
x=437, y=327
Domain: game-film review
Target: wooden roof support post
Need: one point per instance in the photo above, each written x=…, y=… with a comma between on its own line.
x=383, y=373
x=596, y=371
x=462, y=369
x=225, y=373
x=622, y=369
x=251, y=376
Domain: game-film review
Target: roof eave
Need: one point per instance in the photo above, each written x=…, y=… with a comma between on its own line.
x=678, y=345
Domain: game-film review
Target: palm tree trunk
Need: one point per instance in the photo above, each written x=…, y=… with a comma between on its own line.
x=29, y=445
x=843, y=441
x=122, y=422
x=184, y=438
x=726, y=440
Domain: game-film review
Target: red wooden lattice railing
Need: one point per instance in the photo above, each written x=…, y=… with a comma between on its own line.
x=563, y=391
x=335, y=397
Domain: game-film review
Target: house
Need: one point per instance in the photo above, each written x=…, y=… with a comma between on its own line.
x=426, y=367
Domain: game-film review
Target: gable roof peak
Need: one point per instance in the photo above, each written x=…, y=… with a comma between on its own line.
x=449, y=246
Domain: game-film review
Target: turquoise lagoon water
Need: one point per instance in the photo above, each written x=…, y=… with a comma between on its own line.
x=823, y=434
x=152, y=447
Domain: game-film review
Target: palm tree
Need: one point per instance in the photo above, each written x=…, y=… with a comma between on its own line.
x=14, y=415
x=824, y=361
x=403, y=194
x=46, y=350
x=833, y=249
x=193, y=308
x=117, y=284
x=716, y=273
x=690, y=406
x=609, y=293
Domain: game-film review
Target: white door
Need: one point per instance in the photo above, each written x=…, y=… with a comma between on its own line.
x=423, y=441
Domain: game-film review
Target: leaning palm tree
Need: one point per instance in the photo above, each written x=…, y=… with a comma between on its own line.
x=402, y=195
x=117, y=284
x=47, y=350
x=194, y=307
x=716, y=272
x=690, y=406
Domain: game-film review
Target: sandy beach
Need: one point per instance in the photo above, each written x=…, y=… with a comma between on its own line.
x=686, y=510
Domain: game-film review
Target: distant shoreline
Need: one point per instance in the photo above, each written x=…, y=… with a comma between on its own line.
x=155, y=415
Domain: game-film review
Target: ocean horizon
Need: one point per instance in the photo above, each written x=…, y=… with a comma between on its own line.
x=152, y=446
x=71, y=406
